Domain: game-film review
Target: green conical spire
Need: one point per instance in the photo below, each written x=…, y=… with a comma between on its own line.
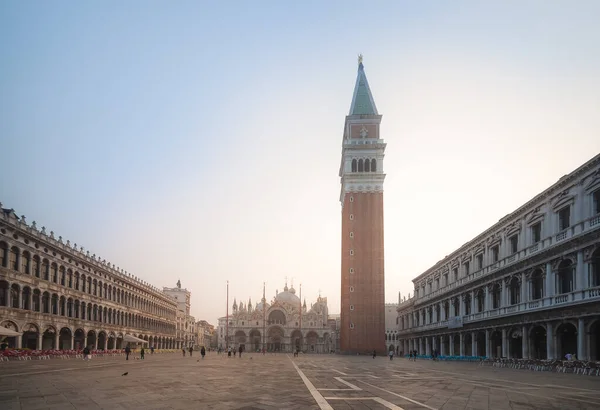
x=362, y=99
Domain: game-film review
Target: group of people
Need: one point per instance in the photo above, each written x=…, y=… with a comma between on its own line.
x=191, y=350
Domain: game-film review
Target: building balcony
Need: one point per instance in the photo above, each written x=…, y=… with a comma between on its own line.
x=571, y=298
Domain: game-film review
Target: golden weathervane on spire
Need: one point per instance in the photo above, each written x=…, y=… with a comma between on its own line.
x=360, y=58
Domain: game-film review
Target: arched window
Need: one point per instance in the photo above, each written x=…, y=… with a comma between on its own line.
x=515, y=291
x=360, y=165
x=367, y=165
x=354, y=165
x=496, y=294
x=373, y=165
x=565, y=276
x=537, y=285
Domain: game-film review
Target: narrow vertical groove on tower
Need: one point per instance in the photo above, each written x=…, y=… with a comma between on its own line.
x=361, y=196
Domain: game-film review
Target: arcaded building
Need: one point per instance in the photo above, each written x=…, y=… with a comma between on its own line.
x=61, y=297
x=362, y=277
x=527, y=287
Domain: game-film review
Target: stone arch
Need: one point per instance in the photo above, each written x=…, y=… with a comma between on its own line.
x=255, y=340
x=373, y=165
x=112, y=338
x=91, y=338
x=312, y=339
x=64, y=339
x=566, y=339
x=79, y=339
x=593, y=330
x=4, y=254
x=297, y=340
x=4, y=293
x=102, y=339
x=31, y=332
x=277, y=317
x=275, y=335
x=49, y=338
x=537, y=342
x=565, y=276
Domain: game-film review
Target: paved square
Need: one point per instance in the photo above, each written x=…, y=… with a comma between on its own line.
x=278, y=381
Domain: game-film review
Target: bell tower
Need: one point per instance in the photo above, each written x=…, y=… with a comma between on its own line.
x=361, y=172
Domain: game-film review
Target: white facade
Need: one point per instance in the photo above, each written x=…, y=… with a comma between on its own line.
x=186, y=335
x=528, y=287
x=391, y=326
x=280, y=326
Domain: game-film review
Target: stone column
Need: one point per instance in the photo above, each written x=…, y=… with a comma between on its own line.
x=39, y=341
x=461, y=306
x=524, y=293
x=462, y=343
x=442, y=350
x=442, y=313
x=486, y=303
x=504, y=343
x=472, y=302
x=451, y=341
x=581, y=348
x=19, y=341
x=72, y=342
x=84, y=341
x=474, y=344
x=427, y=347
x=421, y=350
x=487, y=343
x=525, y=343
x=57, y=341
x=549, y=341
x=549, y=280
x=580, y=274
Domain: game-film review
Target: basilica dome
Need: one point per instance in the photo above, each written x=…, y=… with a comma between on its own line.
x=288, y=296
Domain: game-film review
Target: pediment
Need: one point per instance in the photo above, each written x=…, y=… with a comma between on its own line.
x=594, y=182
x=562, y=200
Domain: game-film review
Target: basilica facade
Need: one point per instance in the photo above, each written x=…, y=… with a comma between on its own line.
x=283, y=325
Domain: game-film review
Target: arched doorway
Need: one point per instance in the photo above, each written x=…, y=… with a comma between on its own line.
x=91, y=339
x=515, y=343
x=49, y=338
x=566, y=338
x=311, y=341
x=455, y=345
x=111, y=341
x=79, y=339
x=30, y=336
x=445, y=346
x=102, y=340
x=64, y=339
x=255, y=340
x=119, y=343
x=537, y=337
x=275, y=336
x=296, y=340
x=240, y=340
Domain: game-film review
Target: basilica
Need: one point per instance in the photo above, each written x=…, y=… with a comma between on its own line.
x=283, y=325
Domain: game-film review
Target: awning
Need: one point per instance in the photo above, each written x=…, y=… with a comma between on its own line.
x=8, y=332
x=133, y=339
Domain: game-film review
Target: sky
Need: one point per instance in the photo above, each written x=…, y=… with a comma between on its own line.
x=201, y=141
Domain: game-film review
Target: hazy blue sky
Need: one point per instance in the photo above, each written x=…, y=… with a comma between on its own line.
x=201, y=140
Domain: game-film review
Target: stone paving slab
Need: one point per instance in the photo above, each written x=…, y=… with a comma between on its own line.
x=170, y=381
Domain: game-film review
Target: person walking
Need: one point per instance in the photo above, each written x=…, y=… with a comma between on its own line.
x=151, y=350
x=191, y=350
x=202, y=352
x=183, y=351
x=240, y=350
x=86, y=353
x=391, y=354
x=142, y=352
x=127, y=351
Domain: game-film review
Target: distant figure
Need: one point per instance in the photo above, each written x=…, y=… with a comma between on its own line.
x=391, y=354
x=3, y=346
x=86, y=353
x=191, y=350
x=127, y=351
x=151, y=350
x=374, y=353
x=229, y=352
x=568, y=356
x=142, y=352
x=202, y=352
x=240, y=350
x=183, y=351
